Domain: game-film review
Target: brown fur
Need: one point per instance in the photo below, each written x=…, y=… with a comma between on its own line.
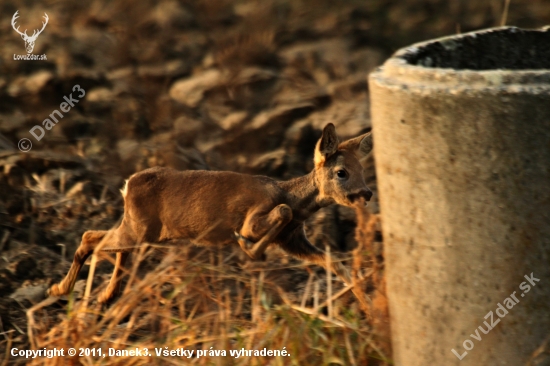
x=162, y=204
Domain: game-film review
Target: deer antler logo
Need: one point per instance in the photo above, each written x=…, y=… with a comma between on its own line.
x=29, y=41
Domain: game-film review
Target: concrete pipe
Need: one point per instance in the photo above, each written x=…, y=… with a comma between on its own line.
x=461, y=131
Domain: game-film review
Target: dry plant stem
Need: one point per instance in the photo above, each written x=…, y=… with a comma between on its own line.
x=307, y=289
x=376, y=348
x=345, y=289
x=364, y=233
x=253, y=295
x=348, y=348
x=212, y=324
x=339, y=322
x=129, y=327
x=505, y=13
x=364, y=301
x=316, y=297
x=133, y=274
x=130, y=299
x=8, y=348
x=329, y=281
x=63, y=251
x=62, y=181
x=31, y=324
x=89, y=282
x=4, y=239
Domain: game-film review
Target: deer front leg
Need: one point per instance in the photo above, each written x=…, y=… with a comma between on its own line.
x=266, y=226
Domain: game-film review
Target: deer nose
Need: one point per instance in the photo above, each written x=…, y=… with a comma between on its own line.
x=364, y=193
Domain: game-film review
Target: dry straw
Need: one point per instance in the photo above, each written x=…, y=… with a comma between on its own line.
x=203, y=298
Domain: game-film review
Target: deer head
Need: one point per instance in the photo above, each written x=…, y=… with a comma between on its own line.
x=29, y=40
x=338, y=173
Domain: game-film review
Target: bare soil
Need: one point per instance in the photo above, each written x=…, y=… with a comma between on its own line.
x=212, y=84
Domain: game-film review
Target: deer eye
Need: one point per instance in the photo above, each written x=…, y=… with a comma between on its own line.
x=342, y=174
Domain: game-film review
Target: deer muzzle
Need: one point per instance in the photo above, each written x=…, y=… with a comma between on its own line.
x=366, y=194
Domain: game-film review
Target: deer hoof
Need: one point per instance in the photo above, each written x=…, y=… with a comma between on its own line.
x=285, y=212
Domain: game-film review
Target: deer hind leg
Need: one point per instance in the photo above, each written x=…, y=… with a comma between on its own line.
x=114, y=284
x=121, y=243
x=90, y=239
x=267, y=227
x=125, y=241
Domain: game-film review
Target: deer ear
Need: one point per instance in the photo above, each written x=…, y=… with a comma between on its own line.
x=361, y=144
x=327, y=145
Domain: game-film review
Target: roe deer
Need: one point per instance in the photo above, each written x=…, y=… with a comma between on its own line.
x=162, y=204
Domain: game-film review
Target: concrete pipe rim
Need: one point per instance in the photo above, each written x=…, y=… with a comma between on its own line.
x=442, y=60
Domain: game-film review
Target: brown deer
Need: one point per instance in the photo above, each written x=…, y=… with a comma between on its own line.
x=163, y=205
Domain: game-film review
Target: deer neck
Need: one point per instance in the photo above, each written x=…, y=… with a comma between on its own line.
x=303, y=196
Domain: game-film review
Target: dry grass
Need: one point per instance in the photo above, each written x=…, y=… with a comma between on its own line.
x=200, y=299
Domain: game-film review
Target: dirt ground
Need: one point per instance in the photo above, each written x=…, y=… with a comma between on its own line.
x=243, y=85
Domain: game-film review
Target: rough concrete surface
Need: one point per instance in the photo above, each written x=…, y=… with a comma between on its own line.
x=462, y=165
